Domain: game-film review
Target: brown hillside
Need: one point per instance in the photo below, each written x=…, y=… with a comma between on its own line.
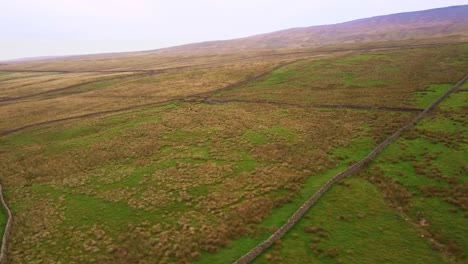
x=441, y=22
x=442, y=25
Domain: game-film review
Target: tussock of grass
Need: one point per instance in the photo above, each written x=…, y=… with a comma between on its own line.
x=430, y=162
x=354, y=225
x=263, y=136
x=433, y=91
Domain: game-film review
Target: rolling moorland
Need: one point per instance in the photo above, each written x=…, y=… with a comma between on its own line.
x=199, y=153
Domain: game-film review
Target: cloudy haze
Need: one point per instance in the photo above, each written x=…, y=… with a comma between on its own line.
x=63, y=27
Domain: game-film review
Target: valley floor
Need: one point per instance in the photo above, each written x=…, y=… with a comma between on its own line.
x=202, y=162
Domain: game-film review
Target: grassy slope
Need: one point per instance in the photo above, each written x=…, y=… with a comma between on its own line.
x=282, y=79
x=363, y=225
x=437, y=158
x=359, y=149
x=354, y=225
x=383, y=78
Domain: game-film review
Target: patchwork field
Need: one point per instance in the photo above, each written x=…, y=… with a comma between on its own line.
x=205, y=159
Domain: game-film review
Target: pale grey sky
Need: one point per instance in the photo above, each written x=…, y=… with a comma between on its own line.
x=65, y=27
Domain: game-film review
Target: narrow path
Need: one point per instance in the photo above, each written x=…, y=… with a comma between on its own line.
x=260, y=248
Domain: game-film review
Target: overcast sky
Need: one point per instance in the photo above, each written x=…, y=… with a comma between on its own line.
x=31, y=28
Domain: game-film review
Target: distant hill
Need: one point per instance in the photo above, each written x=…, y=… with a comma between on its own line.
x=435, y=23
x=442, y=25
x=28, y=59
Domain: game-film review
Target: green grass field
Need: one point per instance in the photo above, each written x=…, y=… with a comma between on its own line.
x=409, y=206
x=352, y=224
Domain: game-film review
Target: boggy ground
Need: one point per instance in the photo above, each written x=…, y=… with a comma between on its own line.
x=109, y=91
x=169, y=181
x=192, y=181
